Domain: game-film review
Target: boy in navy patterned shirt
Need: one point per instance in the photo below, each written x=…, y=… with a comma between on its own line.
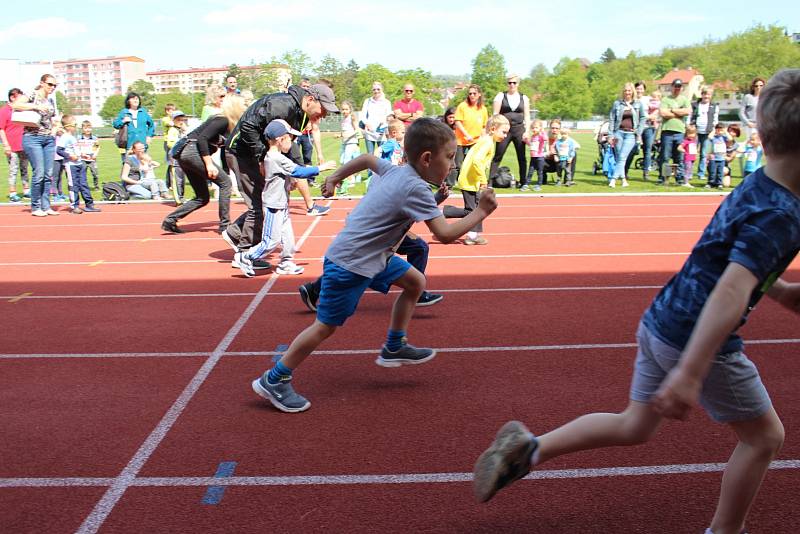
x=688, y=346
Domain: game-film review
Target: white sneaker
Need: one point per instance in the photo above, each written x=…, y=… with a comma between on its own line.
x=39, y=213
x=52, y=212
x=227, y=238
x=625, y=183
x=244, y=264
x=289, y=267
x=687, y=184
x=612, y=183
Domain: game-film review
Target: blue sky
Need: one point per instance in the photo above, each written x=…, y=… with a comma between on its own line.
x=441, y=37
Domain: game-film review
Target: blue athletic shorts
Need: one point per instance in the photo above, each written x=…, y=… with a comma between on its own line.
x=732, y=391
x=342, y=289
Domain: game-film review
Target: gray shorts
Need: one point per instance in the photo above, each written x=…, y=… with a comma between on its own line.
x=732, y=391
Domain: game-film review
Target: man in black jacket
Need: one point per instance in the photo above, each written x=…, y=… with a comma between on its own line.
x=246, y=147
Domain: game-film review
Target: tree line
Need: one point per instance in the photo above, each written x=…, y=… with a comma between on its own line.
x=573, y=89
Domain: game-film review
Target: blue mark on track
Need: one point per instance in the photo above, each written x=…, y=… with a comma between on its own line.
x=280, y=349
x=214, y=494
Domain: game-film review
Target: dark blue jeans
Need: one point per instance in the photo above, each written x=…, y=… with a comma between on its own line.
x=716, y=170
x=41, y=151
x=670, y=141
x=305, y=145
x=705, y=145
x=648, y=138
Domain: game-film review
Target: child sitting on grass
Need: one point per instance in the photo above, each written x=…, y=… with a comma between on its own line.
x=688, y=346
x=362, y=254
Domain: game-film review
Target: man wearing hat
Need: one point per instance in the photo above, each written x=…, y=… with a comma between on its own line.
x=246, y=147
x=674, y=110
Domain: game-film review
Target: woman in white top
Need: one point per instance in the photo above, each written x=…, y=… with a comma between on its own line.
x=747, y=112
x=374, y=117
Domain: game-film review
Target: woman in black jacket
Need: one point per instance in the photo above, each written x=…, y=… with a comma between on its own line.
x=193, y=154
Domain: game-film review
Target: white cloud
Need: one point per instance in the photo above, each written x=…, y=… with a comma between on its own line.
x=50, y=28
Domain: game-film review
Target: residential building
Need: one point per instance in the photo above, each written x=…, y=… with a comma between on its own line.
x=87, y=83
x=195, y=80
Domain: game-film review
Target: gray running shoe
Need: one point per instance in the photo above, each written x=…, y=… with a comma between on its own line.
x=282, y=395
x=229, y=240
x=405, y=355
x=508, y=459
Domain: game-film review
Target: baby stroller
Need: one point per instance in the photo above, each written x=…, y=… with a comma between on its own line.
x=638, y=163
x=602, y=149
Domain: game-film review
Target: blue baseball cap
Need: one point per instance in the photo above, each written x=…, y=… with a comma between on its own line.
x=278, y=128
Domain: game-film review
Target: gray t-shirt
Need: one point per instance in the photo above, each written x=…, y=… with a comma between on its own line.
x=397, y=198
x=278, y=181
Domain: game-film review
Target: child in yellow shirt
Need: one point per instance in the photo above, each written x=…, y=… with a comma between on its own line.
x=473, y=176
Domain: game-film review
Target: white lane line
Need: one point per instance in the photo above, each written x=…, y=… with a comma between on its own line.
x=294, y=293
x=705, y=216
x=106, y=355
x=331, y=236
x=398, y=478
x=371, y=350
x=121, y=483
x=453, y=257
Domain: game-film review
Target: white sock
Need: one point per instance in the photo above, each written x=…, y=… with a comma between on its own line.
x=472, y=235
x=708, y=531
x=535, y=459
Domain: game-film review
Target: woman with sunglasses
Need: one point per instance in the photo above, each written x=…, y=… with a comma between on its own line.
x=516, y=107
x=470, y=119
x=140, y=124
x=39, y=143
x=747, y=112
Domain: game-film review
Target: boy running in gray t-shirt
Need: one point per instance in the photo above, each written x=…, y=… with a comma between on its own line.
x=362, y=255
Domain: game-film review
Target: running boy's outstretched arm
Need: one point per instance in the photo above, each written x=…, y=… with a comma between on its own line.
x=449, y=232
x=361, y=163
x=721, y=314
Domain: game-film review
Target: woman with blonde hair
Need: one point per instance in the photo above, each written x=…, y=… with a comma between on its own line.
x=626, y=121
x=215, y=95
x=193, y=154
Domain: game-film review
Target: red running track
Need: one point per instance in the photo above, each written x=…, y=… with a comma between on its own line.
x=124, y=380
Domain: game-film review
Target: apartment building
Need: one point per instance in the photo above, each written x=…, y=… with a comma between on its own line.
x=87, y=83
x=196, y=80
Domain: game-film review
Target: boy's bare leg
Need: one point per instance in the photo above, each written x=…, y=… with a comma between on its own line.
x=413, y=284
x=305, y=343
x=760, y=440
x=633, y=426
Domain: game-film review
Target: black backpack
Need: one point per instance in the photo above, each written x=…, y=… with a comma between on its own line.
x=115, y=192
x=503, y=178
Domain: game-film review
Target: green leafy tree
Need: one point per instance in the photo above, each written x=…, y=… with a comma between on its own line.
x=146, y=92
x=608, y=56
x=264, y=80
x=111, y=107
x=300, y=64
x=64, y=104
x=566, y=93
x=489, y=71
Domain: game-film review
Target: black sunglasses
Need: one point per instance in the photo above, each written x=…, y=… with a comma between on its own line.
x=51, y=84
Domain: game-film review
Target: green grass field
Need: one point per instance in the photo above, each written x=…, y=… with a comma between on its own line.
x=586, y=182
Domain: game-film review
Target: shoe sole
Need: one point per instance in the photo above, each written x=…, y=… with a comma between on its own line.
x=399, y=362
x=284, y=271
x=513, y=441
x=261, y=392
x=306, y=298
x=429, y=302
